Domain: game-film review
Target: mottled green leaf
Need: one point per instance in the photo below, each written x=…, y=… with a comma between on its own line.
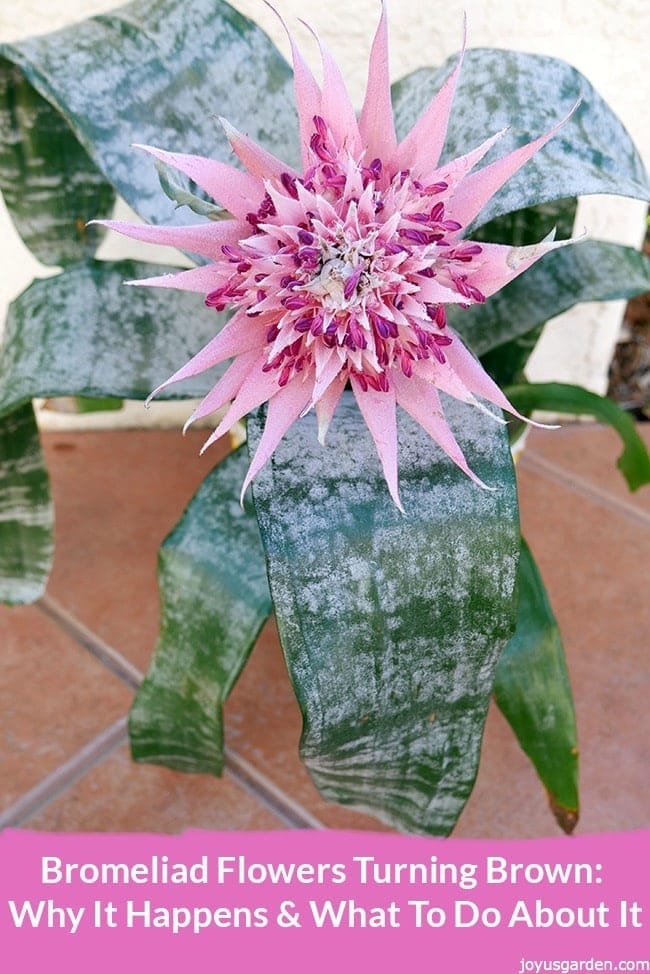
x=73, y=102
x=215, y=599
x=83, y=333
x=530, y=93
x=26, y=541
x=594, y=270
x=391, y=623
x=634, y=461
x=533, y=691
x=49, y=183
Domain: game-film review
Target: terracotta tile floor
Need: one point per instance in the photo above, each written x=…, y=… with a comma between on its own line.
x=70, y=663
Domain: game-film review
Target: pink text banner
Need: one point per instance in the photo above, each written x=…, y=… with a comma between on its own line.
x=321, y=902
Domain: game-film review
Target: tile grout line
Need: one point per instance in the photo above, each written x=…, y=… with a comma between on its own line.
x=105, y=654
x=67, y=774
x=248, y=777
x=535, y=463
x=245, y=774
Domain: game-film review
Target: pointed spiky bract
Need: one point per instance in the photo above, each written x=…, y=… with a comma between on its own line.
x=341, y=273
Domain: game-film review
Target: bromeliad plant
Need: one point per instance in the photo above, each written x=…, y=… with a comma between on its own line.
x=345, y=265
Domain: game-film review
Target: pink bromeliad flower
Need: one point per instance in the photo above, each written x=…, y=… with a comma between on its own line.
x=340, y=272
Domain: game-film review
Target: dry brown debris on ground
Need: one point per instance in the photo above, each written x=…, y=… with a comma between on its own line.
x=629, y=374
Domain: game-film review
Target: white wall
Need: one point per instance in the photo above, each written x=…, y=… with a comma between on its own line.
x=605, y=39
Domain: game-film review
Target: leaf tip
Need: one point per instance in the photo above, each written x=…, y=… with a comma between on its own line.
x=566, y=818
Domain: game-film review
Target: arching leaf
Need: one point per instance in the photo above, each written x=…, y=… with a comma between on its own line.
x=26, y=523
x=533, y=691
x=530, y=93
x=153, y=73
x=215, y=599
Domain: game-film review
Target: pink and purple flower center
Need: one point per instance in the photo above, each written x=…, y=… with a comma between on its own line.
x=346, y=265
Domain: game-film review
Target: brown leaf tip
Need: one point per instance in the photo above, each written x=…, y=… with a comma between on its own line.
x=566, y=818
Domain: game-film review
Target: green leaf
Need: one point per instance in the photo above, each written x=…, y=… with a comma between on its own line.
x=157, y=73
x=530, y=225
x=215, y=600
x=530, y=93
x=83, y=333
x=594, y=270
x=177, y=189
x=26, y=522
x=533, y=691
x=49, y=183
x=98, y=404
x=391, y=623
x=518, y=229
x=634, y=461
x=506, y=364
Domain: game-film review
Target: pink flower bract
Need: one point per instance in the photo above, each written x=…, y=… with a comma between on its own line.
x=341, y=272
